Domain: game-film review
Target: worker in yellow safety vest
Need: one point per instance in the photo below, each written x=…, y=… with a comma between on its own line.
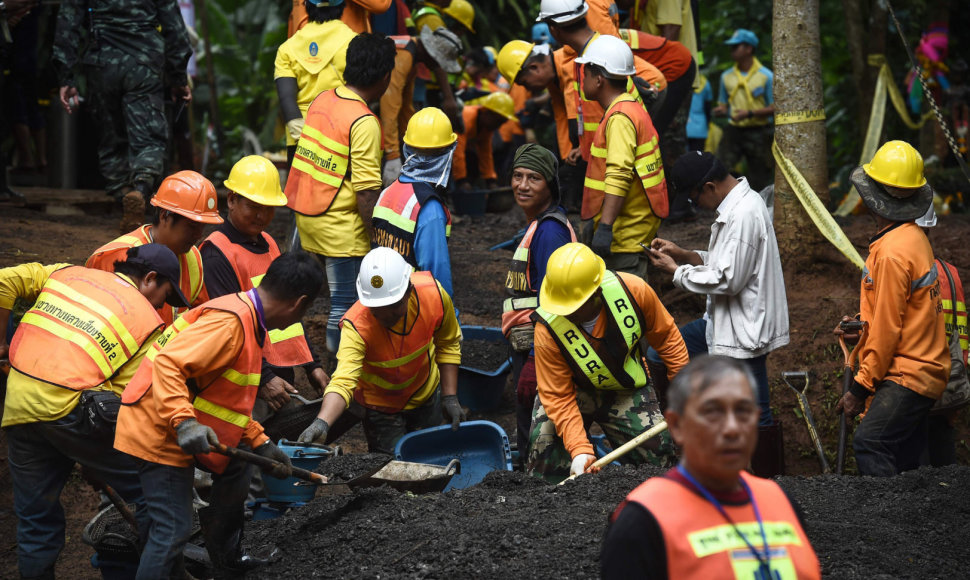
x=397, y=367
x=625, y=192
x=71, y=357
x=184, y=203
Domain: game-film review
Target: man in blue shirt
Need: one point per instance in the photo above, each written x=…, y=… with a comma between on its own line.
x=410, y=217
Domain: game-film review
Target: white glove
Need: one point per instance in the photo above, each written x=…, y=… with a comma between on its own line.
x=580, y=462
x=392, y=170
x=295, y=128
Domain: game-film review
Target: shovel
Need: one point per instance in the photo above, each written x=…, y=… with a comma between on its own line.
x=624, y=449
x=862, y=328
x=267, y=463
x=789, y=378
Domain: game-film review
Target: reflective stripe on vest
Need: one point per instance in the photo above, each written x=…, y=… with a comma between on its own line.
x=84, y=326
x=396, y=217
x=225, y=400
x=397, y=365
x=578, y=351
x=286, y=347
x=700, y=543
x=647, y=162
x=322, y=158
x=960, y=326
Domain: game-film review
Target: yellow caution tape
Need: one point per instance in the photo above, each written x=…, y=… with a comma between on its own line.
x=884, y=84
x=792, y=117
x=814, y=208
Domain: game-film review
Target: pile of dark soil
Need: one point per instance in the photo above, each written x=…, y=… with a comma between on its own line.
x=513, y=526
x=343, y=468
x=486, y=355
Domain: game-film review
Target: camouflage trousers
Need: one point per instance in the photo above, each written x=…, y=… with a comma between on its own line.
x=622, y=415
x=128, y=102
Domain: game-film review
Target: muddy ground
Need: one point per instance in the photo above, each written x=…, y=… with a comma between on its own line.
x=817, y=298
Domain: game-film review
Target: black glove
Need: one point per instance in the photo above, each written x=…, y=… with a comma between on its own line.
x=602, y=239
x=859, y=391
x=315, y=433
x=269, y=450
x=586, y=228
x=452, y=410
x=195, y=438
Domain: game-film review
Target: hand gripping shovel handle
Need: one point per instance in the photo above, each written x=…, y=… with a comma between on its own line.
x=625, y=448
x=847, y=374
x=267, y=463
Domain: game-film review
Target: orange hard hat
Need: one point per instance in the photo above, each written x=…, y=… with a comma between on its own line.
x=189, y=194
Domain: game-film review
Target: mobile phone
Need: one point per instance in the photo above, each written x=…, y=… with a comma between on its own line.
x=644, y=246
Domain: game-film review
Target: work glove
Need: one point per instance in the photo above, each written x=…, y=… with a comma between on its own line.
x=602, y=240
x=284, y=468
x=294, y=127
x=586, y=228
x=391, y=171
x=581, y=463
x=315, y=433
x=452, y=409
x=195, y=438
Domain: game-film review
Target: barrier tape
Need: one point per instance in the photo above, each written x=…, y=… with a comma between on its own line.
x=877, y=116
x=813, y=207
x=792, y=117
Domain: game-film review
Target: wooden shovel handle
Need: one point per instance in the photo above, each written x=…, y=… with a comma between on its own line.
x=625, y=448
x=266, y=462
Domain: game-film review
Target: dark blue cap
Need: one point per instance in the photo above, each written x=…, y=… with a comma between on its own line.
x=165, y=264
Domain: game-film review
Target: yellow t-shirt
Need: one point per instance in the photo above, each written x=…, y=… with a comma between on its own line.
x=636, y=221
x=678, y=12
x=446, y=349
x=316, y=57
x=340, y=232
x=29, y=400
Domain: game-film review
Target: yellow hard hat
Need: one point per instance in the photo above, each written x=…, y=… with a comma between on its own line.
x=897, y=164
x=512, y=57
x=429, y=128
x=257, y=179
x=573, y=274
x=500, y=103
x=463, y=12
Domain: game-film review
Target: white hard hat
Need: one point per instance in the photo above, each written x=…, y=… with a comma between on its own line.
x=611, y=53
x=929, y=218
x=384, y=277
x=561, y=11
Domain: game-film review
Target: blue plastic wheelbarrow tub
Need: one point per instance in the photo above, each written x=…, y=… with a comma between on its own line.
x=287, y=490
x=480, y=446
x=481, y=389
x=472, y=203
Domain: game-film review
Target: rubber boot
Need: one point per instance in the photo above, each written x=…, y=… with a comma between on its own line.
x=769, y=455
x=658, y=374
x=222, y=531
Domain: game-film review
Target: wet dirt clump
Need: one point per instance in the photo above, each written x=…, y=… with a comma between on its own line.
x=343, y=468
x=514, y=526
x=486, y=355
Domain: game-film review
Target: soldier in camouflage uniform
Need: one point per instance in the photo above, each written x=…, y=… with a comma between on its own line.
x=590, y=367
x=131, y=51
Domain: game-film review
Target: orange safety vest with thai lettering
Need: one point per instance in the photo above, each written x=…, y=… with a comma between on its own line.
x=83, y=327
x=395, y=220
x=397, y=365
x=322, y=158
x=647, y=162
x=954, y=308
x=700, y=543
x=518, y=283
x=223, y=400
x=285, y=347
x=669, y=56
x=190, y=267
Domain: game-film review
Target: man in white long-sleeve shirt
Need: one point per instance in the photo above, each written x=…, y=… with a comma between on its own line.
x=747, y=310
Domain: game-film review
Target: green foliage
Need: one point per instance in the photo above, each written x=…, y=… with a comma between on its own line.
x=244, y=37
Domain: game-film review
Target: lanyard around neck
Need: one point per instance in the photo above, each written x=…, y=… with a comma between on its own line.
x=763, y=559
x=254, y=296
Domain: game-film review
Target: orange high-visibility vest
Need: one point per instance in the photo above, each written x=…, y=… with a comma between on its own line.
x=700, y=543
x=518, y=283
x=322, y=158
x=83, y=327
x=954, y=307
x=190, y=267
x=669, y=56
x=285, y=347
x=647, y=163
x=223, y=400
x=397, y=365
x=395, y=221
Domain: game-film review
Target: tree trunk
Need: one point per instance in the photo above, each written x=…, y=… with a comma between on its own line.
x=798, y=87
x=856, y=40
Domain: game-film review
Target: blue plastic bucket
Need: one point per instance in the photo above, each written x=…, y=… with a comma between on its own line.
x=287, y=490
x=481, y=389
x=471, y=202
x=480, y=446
